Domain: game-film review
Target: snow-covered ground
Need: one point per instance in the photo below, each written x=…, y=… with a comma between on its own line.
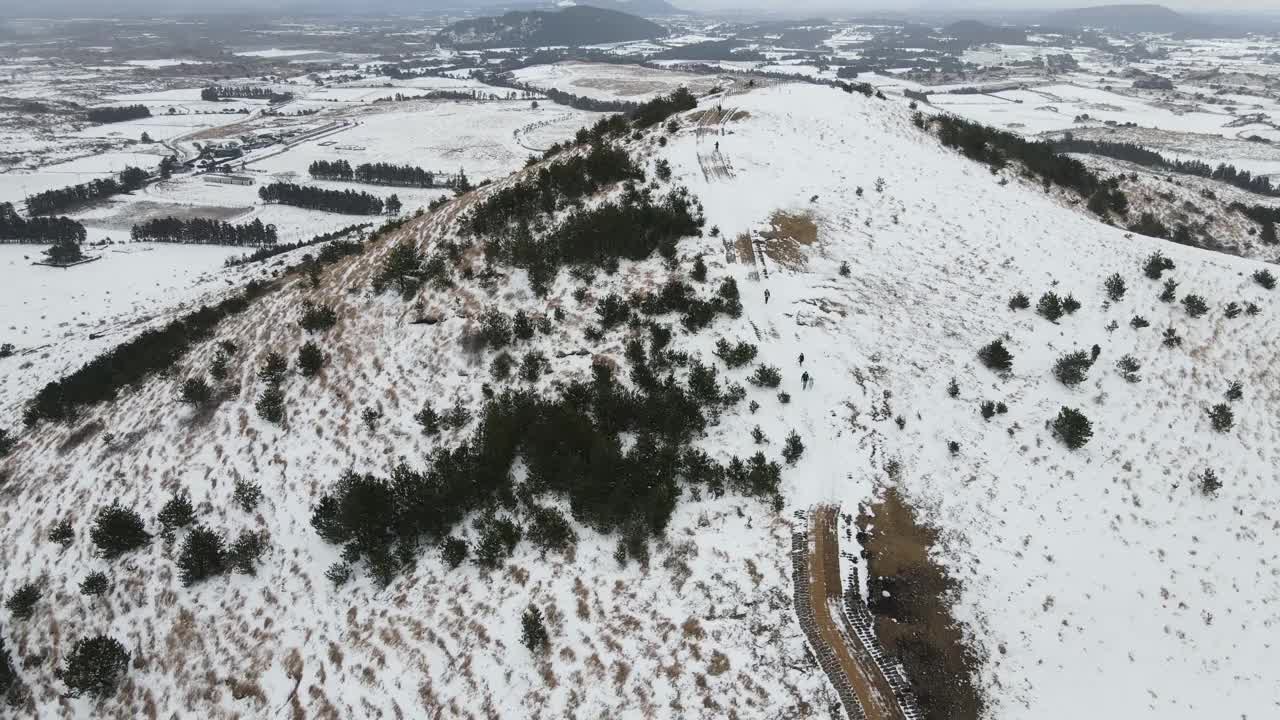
x=1095, y=583
x=603, y=81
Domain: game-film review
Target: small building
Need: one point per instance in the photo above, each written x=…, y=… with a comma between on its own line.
x=224, y=179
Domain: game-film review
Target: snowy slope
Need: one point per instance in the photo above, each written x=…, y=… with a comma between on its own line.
x=1097, y=582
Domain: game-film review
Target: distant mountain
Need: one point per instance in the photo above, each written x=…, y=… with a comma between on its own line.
x=643, y=8
x=1128, y=18
x=577, y=25
x=974, y=32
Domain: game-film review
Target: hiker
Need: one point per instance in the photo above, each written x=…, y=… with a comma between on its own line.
x=804, y=381
x=802, y=358
x=717, y=146
x=766, y=297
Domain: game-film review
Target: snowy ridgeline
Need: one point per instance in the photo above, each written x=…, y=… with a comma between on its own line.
x=1102, y=568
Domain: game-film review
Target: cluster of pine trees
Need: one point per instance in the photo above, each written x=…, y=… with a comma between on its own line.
x=348, y=202
x=272, y=250
x=152, y=351
x=217, y=92
x=118, y=114
x=201, y=231
x=16, y=229
x=1137, y=154
x=1267, y=217
x=555, y=186
x=62, y=199
x=570, y=447
x=388, y=174
x=997, y=147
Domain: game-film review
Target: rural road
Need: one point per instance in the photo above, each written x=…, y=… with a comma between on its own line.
x=848, y=662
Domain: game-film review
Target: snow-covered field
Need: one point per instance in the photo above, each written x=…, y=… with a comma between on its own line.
x=603, y=81
x=1095, y=583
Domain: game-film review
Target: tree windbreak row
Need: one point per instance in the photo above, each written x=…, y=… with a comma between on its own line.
x=64, y=198
x=388, y=174
x=16, y=229
x=1137, y=154
x=347, y=202
x=217, y=92
x=120, y=113
x=200, y=231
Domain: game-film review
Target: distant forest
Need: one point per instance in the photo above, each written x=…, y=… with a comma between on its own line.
x=16, y=229
x=217, y=92
x=1139, y=155
x=62, y=199
x=348, y=202
x=199, y=231
x=388, y=174
x=118, y=114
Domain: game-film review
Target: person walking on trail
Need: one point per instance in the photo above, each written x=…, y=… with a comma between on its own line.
x=802, y=358
x=717, y=146
x=804, y=381
x=766, y=297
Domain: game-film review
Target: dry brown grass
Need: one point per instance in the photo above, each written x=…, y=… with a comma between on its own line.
x=746, y=253
x=908, y=594
x=789, y=234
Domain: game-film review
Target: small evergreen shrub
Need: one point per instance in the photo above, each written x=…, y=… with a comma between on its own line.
x=1221, y=417
x=1129, y=366
x=953, y=388
x=996, y=356
x=1138, y=322
x=1073, y=368
x=1019, y=301
x=1072, y=428
x=1195, y=305
x=195, y=391
x=95, y=584
x=1209, y=483
x=310, y=359
x=1235, y=390
x=1115, y=287
x=273, y=369
x=177, y=512
x=735, y=355
x=247, y=494
x=61, y=533
x=1170, y=291
x=245, y=551
x=22, y=603
x=203, y=555
x=117, y=530
x=270, y=404
x=533, y=632
x=766, y=376
x=793, y=448
x=1155, y=265
x=1171, y=338
x=1050, y=307
x=1264, y=278
x=317, y=318
x=453, y=550
x=95, y=667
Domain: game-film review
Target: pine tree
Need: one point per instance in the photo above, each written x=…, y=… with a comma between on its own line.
x=1221, y=417
x=699, y=272
x=310, y=359
x=95, y=666
x=393, y=204
x=1268, y=236
x=176, y=513
x=245, y=551
x=273, y=369
x=1115, y=287
x=1264, y=278
x=118, y=530
x=1050, y=306
x=247, y=494
x=1073, y=428
x=1195, y=305
x=1209, y=483
x=94, y=584
x=61, y=533
x=202, y=556
x=454, y=551
x=1155, y=265
x=996, y=356
x=533, y=633
x=403, y=267
x=1073, y=368
x=195, y=391
x=793, y=448
x=270, y=404
x=1129, y=366
x=22, y=603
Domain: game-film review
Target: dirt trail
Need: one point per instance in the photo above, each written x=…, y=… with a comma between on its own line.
x=849, y=663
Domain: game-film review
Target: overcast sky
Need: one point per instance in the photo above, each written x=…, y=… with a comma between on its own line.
x=790, y=8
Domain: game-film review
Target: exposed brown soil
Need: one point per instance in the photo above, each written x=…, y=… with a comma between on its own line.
x=789, y=235
x=871, y=687
x=914, y=620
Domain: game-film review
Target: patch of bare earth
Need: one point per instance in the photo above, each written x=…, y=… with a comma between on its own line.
x=789, y=234
x=908, y=596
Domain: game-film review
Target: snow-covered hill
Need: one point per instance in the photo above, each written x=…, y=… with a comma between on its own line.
x=1096, y=582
